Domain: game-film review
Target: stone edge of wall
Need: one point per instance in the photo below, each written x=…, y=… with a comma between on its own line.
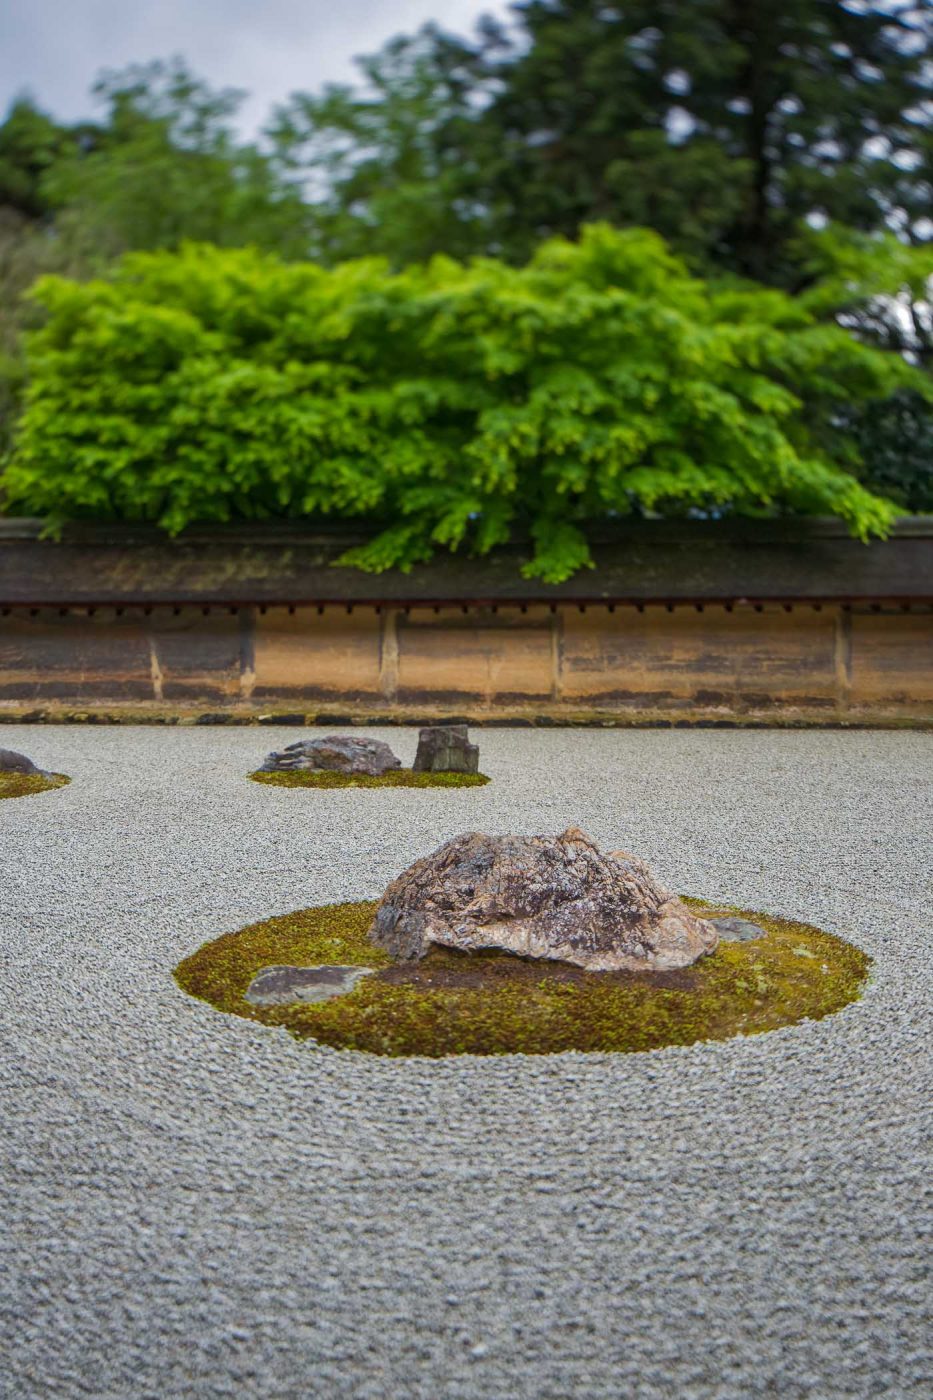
x=653, y=561
x=237, y=716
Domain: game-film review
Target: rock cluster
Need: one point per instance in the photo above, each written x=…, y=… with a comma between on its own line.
x=337, y=753
x=555, y=897
x=446, y=748
x=13, y=762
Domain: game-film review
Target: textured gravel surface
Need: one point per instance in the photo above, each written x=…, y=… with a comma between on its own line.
x=193, y=1206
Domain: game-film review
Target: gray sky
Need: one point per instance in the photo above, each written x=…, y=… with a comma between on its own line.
x=53, y=49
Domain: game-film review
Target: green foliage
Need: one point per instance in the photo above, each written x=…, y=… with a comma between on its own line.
x=30, y=143
x=166, y=166
x=163, y=166
x=874, y=284
x=880, y=289
x=725, y=127
x=445, y=405
x=28, y=250
x=388, y=165
x=895, y=442
x=722, y=125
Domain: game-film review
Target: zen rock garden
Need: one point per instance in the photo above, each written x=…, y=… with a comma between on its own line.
x=20, y=777
x=562, y=1046
x=445, y=758
x=495, y=944
x=523, y=944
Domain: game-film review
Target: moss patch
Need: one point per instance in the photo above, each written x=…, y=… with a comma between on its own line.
x=25, y=784
x=395, y=778
x=493, y=1003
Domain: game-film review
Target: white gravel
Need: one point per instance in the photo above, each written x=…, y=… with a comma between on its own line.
x=193, y=1206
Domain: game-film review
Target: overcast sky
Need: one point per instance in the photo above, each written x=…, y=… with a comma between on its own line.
x=53, y=49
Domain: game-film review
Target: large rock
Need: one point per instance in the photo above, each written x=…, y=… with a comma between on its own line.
x=339, y=753
x=552, y=897
x=446, y=748
x=13, y=762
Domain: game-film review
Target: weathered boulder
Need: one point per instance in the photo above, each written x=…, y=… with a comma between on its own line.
x=13, y=762
x=281, y=984
x=340, y=753
x=554, y=897
x=446, y=748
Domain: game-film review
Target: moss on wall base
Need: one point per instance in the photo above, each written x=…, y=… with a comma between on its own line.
x=25, y=784
x=491, y=1003
x=395, y=778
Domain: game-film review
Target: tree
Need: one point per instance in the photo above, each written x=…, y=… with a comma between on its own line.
x=876, y=285
x=391, y=167
x=723, y=124
x=30, y=143
x=445, y=405
x=28, y=250
x=165, y=166
x=720, y=122
x=881, y=290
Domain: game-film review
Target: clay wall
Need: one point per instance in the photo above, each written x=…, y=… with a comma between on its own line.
x=784, y=663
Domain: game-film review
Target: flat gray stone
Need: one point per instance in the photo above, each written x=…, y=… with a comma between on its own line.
x=734, y=930
x=279, y=985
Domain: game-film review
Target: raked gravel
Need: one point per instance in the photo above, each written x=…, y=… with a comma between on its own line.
x=194, y=1206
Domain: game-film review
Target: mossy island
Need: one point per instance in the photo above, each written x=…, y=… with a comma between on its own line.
x=445, y=759
x=756, y=975
x=26, y=784
x=20, y=777
x=492, y=1003
x=394, y=778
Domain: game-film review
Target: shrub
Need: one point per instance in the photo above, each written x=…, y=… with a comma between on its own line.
x=444, y=405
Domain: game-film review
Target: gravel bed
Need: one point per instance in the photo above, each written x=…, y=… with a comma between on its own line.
x=194, y=1206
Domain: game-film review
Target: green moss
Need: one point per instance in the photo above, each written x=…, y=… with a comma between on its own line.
x=493, y=1003
x=25, y=784
x=395, y=778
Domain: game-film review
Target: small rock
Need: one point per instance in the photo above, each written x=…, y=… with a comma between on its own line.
x=733, y=930
x=337, y=753
x=13, y=762
x=446, y=748
x=279, y=985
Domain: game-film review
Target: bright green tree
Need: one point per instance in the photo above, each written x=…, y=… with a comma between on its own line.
x=445, y=405
x=164, y=165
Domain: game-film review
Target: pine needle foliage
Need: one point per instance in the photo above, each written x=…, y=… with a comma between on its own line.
x=445, y=405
